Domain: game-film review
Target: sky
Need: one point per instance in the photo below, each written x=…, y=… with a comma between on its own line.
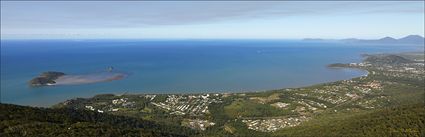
x=210, y=19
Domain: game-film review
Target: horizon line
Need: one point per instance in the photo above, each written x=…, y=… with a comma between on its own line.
x=330, y=39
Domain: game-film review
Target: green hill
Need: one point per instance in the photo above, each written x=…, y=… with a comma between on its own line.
x=387, y=59
x=30, y=121
x=408, y=120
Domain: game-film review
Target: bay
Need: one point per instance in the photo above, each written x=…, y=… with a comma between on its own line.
x=175, y=66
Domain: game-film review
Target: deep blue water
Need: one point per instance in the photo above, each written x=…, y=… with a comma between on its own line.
x=174, y=66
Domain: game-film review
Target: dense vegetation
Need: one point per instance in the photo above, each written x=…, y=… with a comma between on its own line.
x=29, y=121
x=45, y=78
x=408, y=120
x=387, y=59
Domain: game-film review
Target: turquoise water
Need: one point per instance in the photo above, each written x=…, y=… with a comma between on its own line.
x=174, y=66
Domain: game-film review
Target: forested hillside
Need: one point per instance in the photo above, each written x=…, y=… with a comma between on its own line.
x=30, y=121
x=406, y=120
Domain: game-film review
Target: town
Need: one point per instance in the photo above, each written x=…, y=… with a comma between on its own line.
x=188, y=104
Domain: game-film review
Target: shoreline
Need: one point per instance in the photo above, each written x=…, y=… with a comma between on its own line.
x=48, y=105
x=241, y=92
x=223, y=93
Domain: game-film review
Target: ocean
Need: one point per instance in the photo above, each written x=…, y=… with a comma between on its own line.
x=175, y=66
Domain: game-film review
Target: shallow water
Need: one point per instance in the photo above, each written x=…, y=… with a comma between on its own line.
x=88, y=78
x=174, y=66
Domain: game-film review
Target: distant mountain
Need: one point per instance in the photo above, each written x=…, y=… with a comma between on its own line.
x=349, y=40
x=313, y=39
x=387, y=39
x=411, y=39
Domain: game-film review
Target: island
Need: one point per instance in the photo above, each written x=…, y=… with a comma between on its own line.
x=45, y=78
x=338, y=65
x=51, y=78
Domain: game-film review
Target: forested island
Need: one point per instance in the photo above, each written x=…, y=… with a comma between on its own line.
x=45, y=78
x=389, y=101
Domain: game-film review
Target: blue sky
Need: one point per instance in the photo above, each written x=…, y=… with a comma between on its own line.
x=210, y=19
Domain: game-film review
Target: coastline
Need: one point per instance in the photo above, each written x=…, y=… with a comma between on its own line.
x=232, y=93
x=46, y=103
